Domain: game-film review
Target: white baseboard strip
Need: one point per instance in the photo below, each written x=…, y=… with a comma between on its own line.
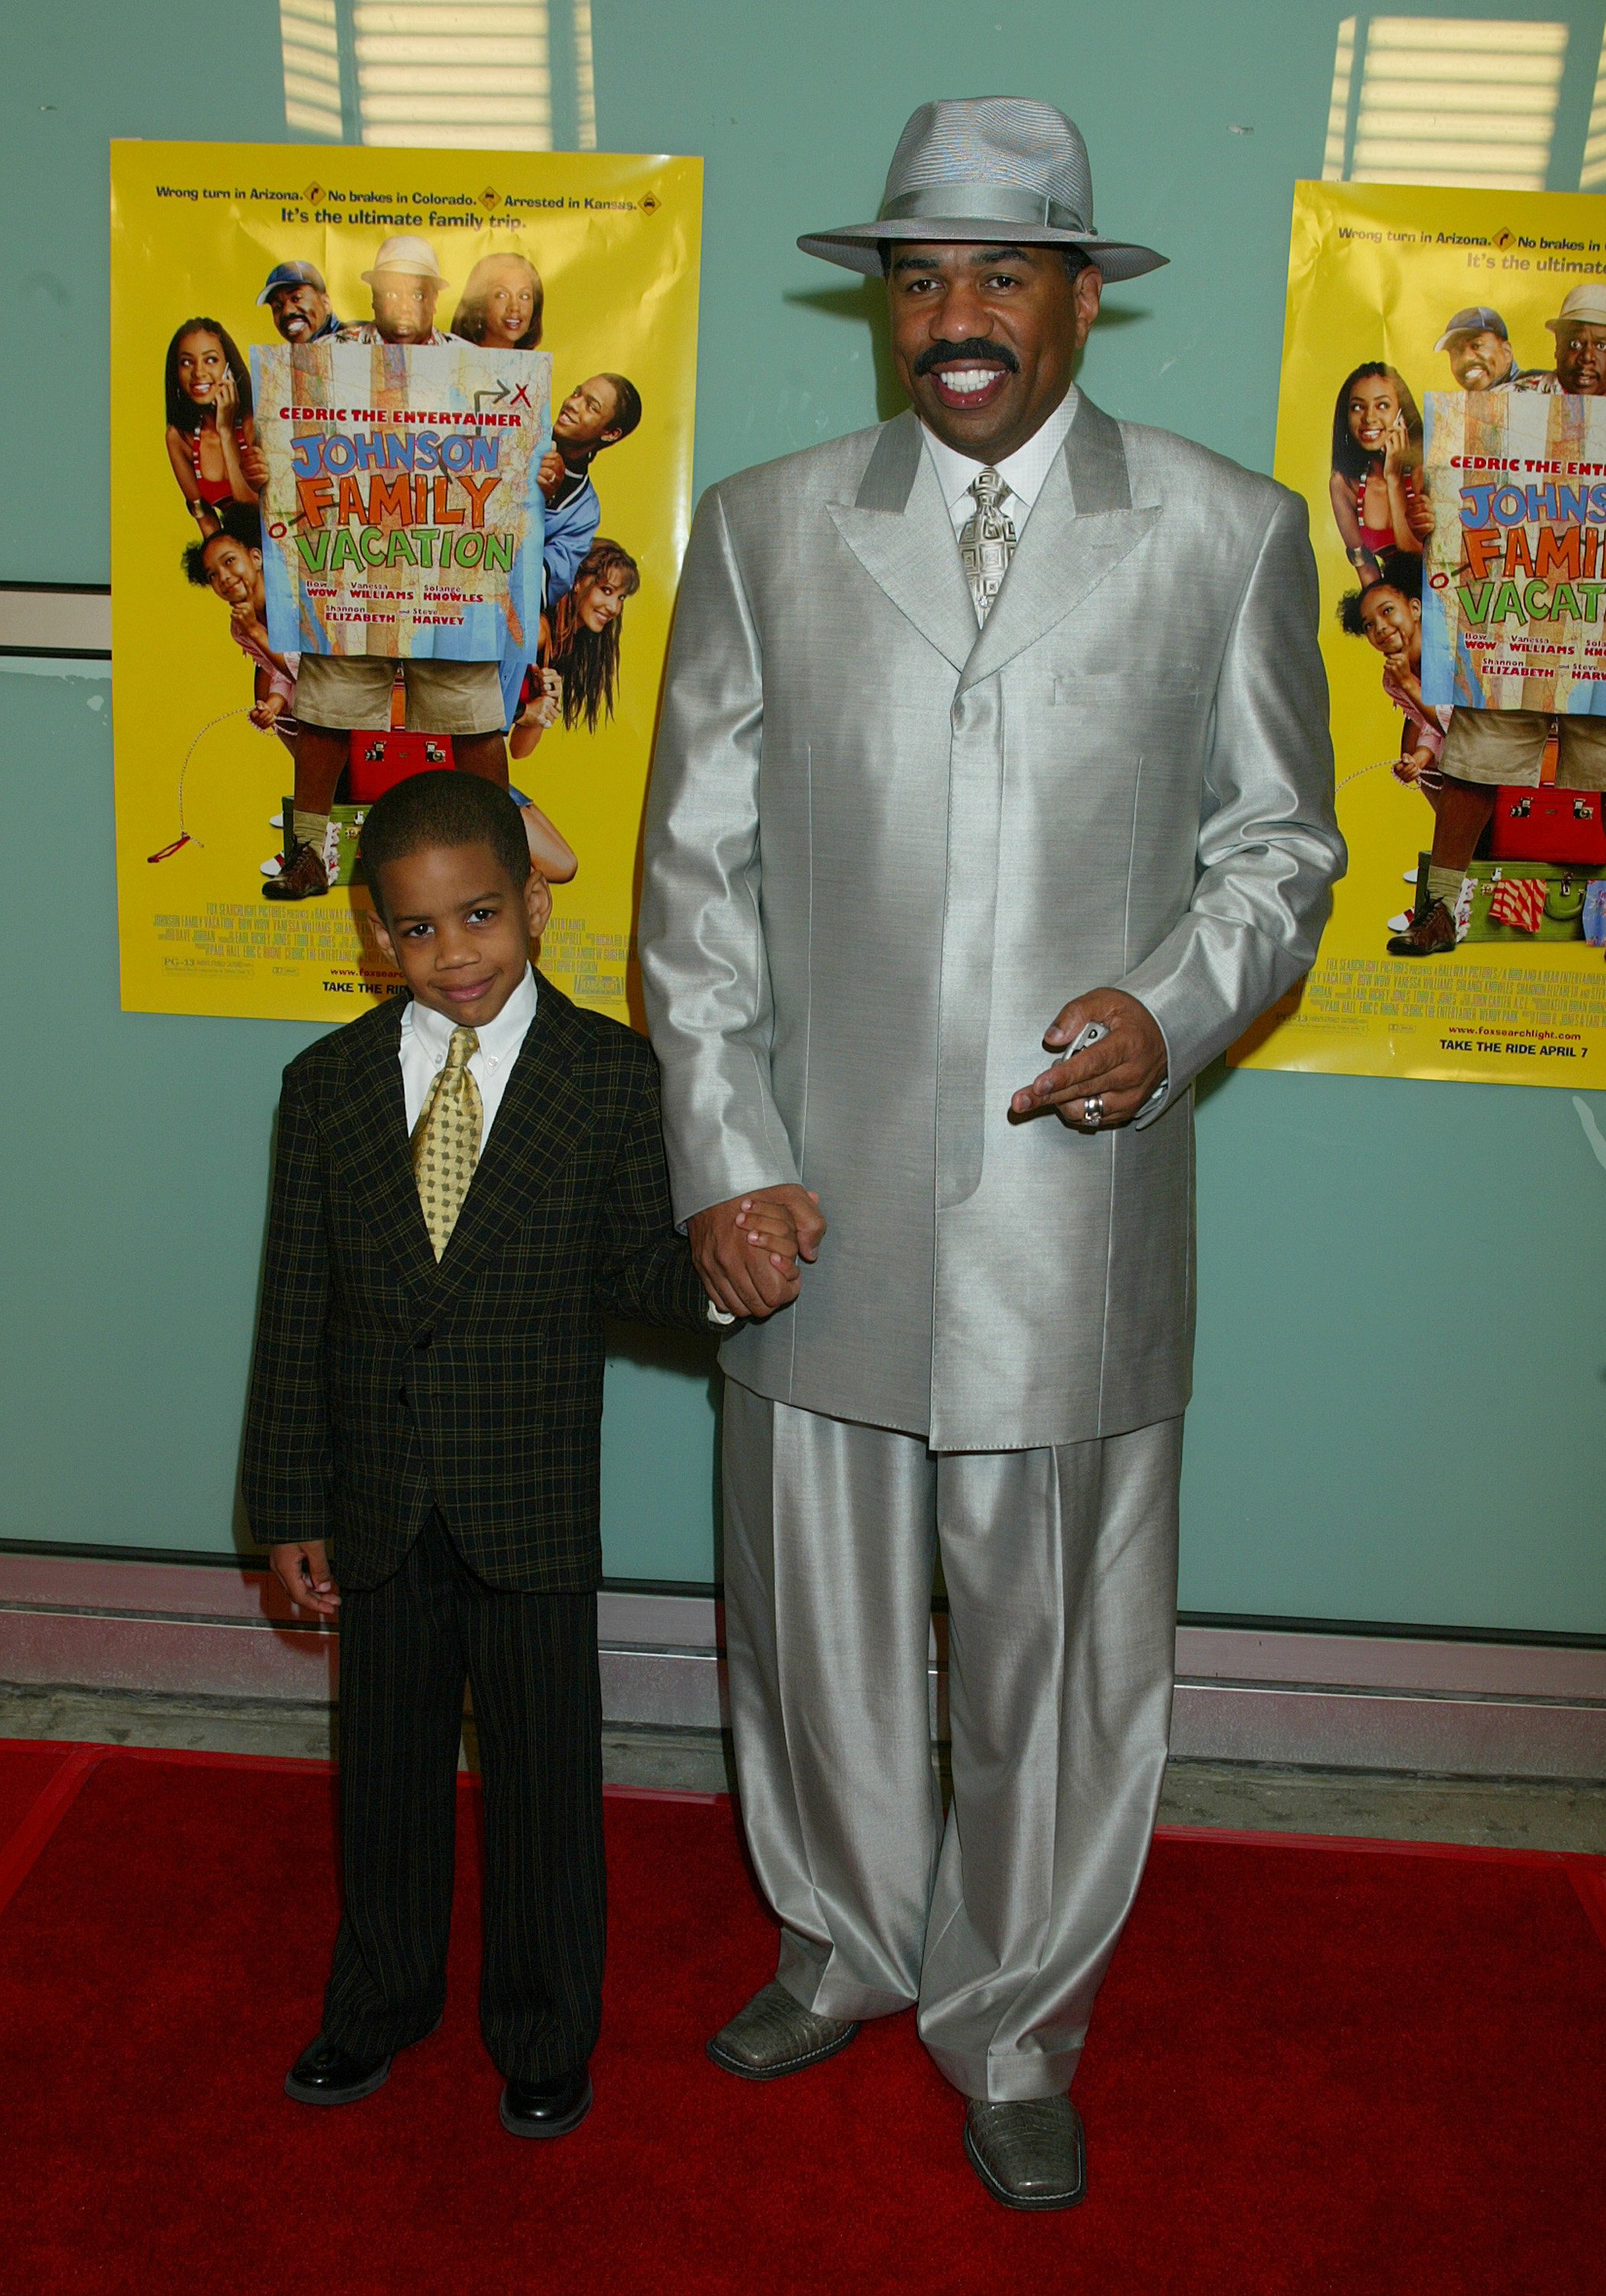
x=68, y=620
x=1393, y=1702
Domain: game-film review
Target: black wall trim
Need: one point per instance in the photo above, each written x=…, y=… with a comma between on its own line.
x=57, y=654
x=64, y=589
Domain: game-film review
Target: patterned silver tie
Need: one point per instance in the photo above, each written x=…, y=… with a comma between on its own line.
x=986, y=541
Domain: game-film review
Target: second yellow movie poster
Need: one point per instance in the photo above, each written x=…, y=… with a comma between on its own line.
x=1401, y=299
x=239, y=890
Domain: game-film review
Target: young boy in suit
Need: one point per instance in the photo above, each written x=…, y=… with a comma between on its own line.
x=468, y=1181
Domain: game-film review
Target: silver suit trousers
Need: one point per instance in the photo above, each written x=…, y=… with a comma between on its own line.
x=1060, y=1566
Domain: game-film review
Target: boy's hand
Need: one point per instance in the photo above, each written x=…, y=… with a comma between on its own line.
x=769, y=1223
x=302, y=1567
x=746, y=1249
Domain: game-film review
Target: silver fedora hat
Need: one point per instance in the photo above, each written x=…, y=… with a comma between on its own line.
x=986, y=167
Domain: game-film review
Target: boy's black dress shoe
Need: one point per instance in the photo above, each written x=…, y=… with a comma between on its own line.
x=326, y=2074
x=547, y=2108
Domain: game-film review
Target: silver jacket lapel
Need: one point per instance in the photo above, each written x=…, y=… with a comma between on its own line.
x=898, y=528
x=1083, y=525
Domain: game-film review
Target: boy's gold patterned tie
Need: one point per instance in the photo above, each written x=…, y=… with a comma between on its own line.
x=987, y=541
x=446, y=1140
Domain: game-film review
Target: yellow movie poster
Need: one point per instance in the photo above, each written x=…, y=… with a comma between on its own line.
x=1443, y=412
x=486, y=494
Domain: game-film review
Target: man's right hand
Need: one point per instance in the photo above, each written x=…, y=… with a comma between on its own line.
x=743, y=1280
x=302, y=1567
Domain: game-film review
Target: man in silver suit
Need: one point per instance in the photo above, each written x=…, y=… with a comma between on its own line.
x=999, y=724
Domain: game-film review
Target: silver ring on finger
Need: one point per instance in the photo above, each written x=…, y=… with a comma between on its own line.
x=1092, y=1111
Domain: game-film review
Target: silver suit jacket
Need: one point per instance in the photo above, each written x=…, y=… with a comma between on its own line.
x=884, y=847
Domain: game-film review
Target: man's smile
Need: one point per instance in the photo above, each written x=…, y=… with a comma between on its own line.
x=968, y=386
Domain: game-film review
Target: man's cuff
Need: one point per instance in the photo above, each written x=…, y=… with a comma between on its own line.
x=1155, y=1105
x=719, y=1316
x=1159, y=1098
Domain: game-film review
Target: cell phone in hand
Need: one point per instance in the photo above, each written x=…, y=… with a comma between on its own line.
x=1094, y=1033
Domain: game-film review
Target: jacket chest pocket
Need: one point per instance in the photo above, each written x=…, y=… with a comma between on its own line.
x=1093, y=689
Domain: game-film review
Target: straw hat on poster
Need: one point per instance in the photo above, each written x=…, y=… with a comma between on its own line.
x=408, y=252
x=1585, y=306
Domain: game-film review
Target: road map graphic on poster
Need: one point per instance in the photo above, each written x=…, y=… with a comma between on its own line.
x=1402, y=297
x=401, y=514
x=441, y=280
x=1516, y=570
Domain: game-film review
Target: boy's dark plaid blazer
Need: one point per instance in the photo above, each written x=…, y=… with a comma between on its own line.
x=383, y=1384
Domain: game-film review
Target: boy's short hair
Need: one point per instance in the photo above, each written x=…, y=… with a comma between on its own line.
x=442, y=809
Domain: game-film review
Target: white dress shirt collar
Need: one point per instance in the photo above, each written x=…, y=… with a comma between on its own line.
x=1022, y=471
x=498, y=1039
x=426, y=1038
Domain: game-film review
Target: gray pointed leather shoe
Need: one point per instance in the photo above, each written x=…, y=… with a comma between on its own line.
x=1030, y=2155
x=775, y=2035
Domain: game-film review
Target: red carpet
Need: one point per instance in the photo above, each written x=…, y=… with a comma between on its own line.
x=23, y=1771
x=1315, y=2067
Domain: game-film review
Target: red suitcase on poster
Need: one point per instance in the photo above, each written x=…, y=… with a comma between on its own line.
x=1548, y=824
x=378, y=761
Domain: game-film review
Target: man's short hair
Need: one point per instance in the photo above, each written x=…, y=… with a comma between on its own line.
x=1074, y=259
x=429, y=810
x=627, y=405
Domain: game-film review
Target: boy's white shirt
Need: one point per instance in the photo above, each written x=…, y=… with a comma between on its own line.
x=426, y=1038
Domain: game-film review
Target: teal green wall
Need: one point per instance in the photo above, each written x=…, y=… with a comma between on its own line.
x=1402, y=1368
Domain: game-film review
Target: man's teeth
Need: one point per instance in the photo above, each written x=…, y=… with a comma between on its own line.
x=967, y=380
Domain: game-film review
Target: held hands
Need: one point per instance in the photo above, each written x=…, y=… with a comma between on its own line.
x=746, y=1250
x=301, y=1568
x=263, y=713
x=1123, y=1071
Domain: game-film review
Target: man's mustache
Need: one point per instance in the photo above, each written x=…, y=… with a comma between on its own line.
x=975, y=352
